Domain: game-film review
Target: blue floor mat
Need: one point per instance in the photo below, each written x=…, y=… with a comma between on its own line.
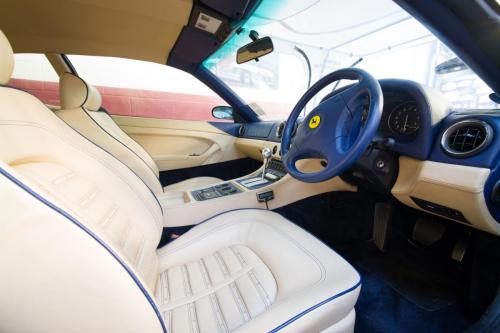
x=381, y=309
x=388, y=305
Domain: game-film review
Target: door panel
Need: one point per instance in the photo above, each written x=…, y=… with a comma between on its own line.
x=177, y=144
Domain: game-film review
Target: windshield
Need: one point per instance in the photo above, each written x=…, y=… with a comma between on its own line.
x=375, y=35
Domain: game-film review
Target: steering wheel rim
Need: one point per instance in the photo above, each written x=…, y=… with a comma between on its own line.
x=342, y=127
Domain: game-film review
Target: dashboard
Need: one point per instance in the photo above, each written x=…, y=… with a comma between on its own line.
x=428, y=156
x=410, y=114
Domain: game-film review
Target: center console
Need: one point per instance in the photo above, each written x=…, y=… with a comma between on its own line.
x=274, y=172
x=276, y=189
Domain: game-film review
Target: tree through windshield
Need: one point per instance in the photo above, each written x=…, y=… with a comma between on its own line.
x=377, y=35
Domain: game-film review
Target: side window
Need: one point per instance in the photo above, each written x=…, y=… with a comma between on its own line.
x=34, y=73
x=144, y=89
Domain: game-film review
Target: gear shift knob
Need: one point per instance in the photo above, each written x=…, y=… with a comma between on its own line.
x=266, y=156
x=267, y=153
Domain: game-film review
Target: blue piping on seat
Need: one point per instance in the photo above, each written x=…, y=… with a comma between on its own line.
x=93, y=235
x=303, y=313
x=133, y=276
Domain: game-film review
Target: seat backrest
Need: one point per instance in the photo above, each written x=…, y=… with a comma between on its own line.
x=81, y=109
x=76, y=226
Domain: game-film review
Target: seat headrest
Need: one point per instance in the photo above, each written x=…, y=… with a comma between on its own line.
x=6, y=59
x=75, y=92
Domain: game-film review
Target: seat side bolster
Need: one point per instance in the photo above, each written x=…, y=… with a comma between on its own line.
x=49, y=256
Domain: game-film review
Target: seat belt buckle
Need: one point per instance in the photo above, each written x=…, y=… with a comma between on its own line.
x=265, y=196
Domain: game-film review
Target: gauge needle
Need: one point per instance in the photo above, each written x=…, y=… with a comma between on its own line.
x=406, y=122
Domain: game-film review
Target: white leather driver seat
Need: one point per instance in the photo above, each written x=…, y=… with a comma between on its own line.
x=81, y=109
x=78, y=238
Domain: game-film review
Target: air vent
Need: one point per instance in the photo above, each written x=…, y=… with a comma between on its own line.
x=241, y=130
x=279, y=129
x=466, y=138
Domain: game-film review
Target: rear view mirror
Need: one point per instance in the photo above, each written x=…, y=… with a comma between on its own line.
x=254, y=50
x=450, y=66
x=223, y=112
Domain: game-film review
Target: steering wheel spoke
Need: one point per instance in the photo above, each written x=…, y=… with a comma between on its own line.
x=338, y=130
x=337, y=150
x=355, y=95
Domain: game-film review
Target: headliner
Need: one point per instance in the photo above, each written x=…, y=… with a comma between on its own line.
x=144, y=30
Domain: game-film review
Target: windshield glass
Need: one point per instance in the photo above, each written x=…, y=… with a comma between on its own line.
x=375, y=35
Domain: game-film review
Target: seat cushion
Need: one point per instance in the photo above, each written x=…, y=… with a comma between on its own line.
x=232, y=281
x=253, y=271
x=192, y=183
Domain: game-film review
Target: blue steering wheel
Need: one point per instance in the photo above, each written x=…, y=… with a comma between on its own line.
x=338, y=130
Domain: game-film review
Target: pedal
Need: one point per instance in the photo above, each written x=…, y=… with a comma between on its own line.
x=427, y=232
x=460, y=248
x=381, y=219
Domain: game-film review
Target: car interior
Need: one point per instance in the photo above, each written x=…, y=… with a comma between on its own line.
x=249, y=166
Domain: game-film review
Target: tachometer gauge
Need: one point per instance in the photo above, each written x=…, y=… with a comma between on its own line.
x=404, y=119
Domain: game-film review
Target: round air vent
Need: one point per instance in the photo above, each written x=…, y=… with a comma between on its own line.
x=466, y=138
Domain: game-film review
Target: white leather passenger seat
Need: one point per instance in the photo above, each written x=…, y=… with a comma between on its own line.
x=254, y=266
x=78, y=238
x=81, y=109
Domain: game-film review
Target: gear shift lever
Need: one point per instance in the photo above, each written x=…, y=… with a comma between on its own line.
x=266, y=156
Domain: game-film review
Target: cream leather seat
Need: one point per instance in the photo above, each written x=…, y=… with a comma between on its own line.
x=78, y=238
x=81, y=109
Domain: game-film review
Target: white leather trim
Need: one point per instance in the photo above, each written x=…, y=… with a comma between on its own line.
x=53, y=269
x=75, y=92
x=107, y=123
x=192, y=183
x=93, y=126
x=89, y=182
x=288, y=251
x=6, y=59
x=346, y=325
x=218, y=292
x=175, y=144
x=454, y=186
x=180, y=208
x=253, y=148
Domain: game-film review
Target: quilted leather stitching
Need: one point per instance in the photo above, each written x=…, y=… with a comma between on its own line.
x=217, y=282
x=117, y=227
x=146, y=202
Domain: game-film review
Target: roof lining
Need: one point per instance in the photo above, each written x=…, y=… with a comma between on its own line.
x=145, y=30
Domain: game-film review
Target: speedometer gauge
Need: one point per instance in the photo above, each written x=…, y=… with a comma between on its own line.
x=404, y=119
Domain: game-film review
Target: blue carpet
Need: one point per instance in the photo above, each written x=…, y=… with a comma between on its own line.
x=387, y=303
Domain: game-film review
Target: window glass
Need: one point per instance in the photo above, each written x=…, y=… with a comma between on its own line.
x=34, y=73
x=382, y=39
x=144, y=89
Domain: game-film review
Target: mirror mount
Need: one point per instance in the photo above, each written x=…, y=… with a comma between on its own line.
x=254, y=35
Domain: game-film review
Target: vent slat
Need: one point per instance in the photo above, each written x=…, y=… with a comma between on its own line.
x=467, y=137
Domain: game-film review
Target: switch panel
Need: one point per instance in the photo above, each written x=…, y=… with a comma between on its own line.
x=216, y=191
